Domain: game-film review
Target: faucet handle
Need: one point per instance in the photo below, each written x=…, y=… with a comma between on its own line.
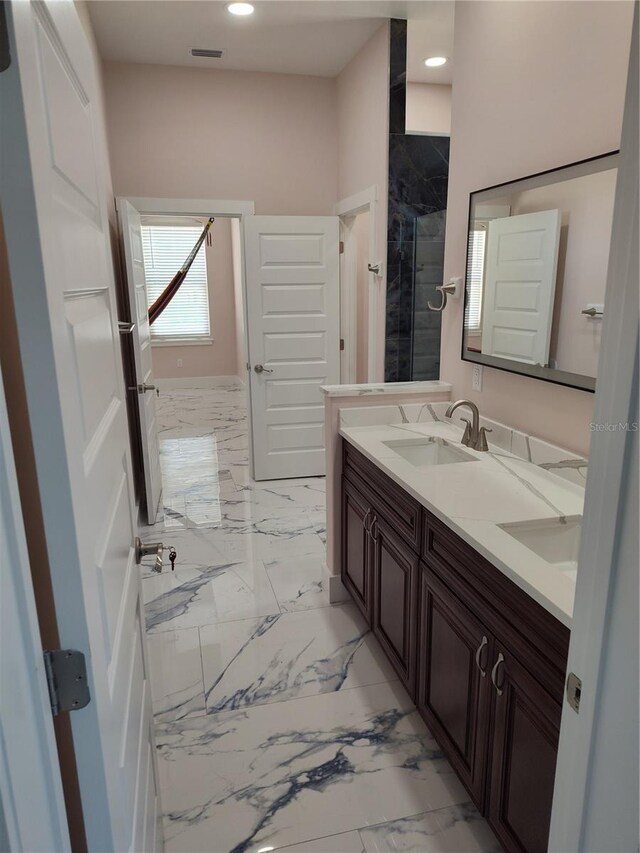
x=482, y=439
x=466, y=438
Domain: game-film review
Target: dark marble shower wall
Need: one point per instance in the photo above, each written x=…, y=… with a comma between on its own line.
x=418, y=180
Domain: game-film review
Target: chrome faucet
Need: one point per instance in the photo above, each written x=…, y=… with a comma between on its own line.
x=474, y=436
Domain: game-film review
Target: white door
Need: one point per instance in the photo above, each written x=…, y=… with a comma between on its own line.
x=519, y=286
x=131, y=233
x=293, y=317
x=29, y=773
x=57, y=232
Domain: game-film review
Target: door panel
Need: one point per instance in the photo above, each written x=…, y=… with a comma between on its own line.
x=356, y=563
x=525, y=745
x=519, y=286
x=57, y=234
x=395, y=576
x=453, y=695
x=293, y=313
x=131, y=235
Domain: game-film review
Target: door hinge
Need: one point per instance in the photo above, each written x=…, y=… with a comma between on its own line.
x=342, y=247
x=341, y=344
x=67, y=680
x=574, y=691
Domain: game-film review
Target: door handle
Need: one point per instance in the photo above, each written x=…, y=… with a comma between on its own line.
x=482, y=645
x=260, y=368
x=142, y=550
x=143, y=387
x=125, y=328
x=494, y=673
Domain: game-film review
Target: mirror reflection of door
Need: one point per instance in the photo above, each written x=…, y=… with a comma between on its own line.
x=519, y=286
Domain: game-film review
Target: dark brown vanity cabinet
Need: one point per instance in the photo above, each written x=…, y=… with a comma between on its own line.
x=356, y=547
x=484, y=662
x=454, y=693
x=394, y=569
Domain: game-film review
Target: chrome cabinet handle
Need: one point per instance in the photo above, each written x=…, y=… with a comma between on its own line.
x=484, y=643
x=494, y=673
x=372, y=533
x=142, y=550
x=260, y=368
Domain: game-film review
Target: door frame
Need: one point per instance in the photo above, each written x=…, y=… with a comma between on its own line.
x=223, y=209
x=346, y=209
x=30, y=773
x=615, y=398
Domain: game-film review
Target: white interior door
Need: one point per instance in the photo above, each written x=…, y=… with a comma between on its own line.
x=30, y=781
x=131, y=234
x=293, y=318
x=519, y=286
x=57, y=232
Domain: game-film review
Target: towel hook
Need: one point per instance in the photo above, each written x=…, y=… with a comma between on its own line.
x=451, y=288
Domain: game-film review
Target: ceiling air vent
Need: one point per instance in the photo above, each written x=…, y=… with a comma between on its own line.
x=211, y=54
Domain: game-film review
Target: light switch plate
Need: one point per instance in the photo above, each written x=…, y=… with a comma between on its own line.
x=476, y=377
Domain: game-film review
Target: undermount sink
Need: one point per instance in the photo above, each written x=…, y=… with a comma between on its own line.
x=430, y=450
x=556, y=540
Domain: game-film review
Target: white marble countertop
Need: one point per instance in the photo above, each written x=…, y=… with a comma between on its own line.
x=396, y=388
x=472, y=498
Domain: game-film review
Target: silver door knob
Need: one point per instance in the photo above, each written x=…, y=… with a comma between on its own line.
x=142, y=388
x=259, y=368
x=147, y=550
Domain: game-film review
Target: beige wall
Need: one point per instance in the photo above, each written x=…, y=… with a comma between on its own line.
x=363, y=130
x=428, y=109
x=536, y=85
x=193, y=133
x=218, y=358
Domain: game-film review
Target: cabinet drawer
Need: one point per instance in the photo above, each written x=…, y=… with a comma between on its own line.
x=394, y=505
x=534, y=635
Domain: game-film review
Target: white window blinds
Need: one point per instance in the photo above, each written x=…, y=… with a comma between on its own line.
x=166, y=248
x=475, y=273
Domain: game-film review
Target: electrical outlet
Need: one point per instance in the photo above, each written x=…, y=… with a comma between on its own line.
x=476, y=377
x=179, y=362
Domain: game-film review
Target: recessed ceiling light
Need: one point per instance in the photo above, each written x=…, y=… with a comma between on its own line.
x=435, y=61
x=242, y=9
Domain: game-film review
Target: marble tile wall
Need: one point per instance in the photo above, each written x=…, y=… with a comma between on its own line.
x=418, y=183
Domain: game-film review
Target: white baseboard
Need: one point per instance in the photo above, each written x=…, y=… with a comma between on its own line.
x=335, y=588
x=196, y=382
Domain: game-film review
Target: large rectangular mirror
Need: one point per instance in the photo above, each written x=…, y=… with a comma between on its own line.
x=537, y=257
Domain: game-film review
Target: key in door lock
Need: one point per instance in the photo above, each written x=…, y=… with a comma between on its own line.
x=154, y=549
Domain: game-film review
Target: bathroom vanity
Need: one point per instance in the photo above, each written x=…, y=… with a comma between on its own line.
x=443, y=551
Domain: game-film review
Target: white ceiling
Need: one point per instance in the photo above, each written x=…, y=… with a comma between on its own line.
x=431, y=37
x=317, y=37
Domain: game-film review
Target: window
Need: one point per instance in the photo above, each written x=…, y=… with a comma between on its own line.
x=475, y=274
x=166, y=248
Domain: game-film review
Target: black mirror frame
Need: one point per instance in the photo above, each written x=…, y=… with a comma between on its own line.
x=546, y=374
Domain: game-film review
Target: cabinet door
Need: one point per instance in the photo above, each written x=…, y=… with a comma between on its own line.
x=525, y=743
x=395, y=578
x=356, y=569
x=454, y=690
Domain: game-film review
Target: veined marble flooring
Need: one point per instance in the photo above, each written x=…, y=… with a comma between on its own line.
x=279, y=722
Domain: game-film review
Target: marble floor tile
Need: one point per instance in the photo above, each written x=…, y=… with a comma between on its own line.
x=298, y=582
x=177, y=688
x=190, y=597
x=257, y=661
x=281, y=773
x=346, y=842
x=455, y=829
